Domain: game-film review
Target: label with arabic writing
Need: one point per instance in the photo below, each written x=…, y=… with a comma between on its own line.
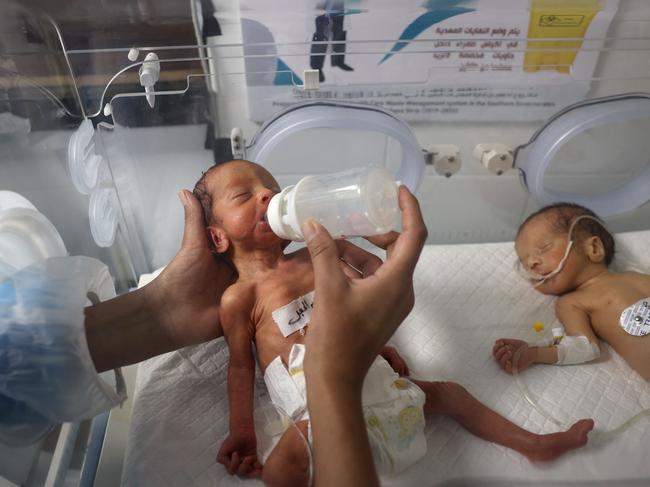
x=294, y=316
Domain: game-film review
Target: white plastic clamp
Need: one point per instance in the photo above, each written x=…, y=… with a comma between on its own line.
x=495, y=157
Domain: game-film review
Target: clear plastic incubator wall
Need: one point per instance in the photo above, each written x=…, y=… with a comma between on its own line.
x=488, y=109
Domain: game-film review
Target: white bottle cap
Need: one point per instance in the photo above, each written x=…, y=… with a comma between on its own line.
x=558, y=332
x=282, y=217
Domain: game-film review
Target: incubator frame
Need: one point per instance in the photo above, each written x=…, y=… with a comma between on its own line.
x=534, y=158
x=222, y=64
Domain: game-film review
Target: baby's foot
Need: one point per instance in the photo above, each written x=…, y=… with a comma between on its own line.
x=549, y=447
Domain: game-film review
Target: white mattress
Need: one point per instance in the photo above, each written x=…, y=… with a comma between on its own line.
x=467, y=296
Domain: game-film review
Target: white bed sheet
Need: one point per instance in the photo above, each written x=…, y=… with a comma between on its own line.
x=467, y=296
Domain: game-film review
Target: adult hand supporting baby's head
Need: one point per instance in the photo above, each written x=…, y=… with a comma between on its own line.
x=188, y=291
x=353, y=318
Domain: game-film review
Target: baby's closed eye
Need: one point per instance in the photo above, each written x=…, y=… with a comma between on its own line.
x=242, y=196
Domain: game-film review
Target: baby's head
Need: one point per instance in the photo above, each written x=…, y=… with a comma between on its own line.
x=234, y=196
x=544, y=249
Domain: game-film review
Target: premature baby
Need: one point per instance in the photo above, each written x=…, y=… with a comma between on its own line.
x=265, y=313
x=565, y=250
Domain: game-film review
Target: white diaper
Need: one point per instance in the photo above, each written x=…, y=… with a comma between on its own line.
x=392, y=408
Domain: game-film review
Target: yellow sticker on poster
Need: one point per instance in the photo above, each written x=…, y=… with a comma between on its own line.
x=558, y=21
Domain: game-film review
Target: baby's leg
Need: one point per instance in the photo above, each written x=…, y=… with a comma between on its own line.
x=453, y=400
x=288, y=463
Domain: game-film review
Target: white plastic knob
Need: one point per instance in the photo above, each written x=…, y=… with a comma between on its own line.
x=149, y=75
x=150, y=70
x=495, y=157
x=445, y=159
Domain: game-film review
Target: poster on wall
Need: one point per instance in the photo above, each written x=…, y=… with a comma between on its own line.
x=435, y=60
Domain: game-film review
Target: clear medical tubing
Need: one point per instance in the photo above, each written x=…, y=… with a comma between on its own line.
x=310, y=453
x=357, y=202
x=601, y=434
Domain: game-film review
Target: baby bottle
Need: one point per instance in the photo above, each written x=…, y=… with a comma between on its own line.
x=357, y=202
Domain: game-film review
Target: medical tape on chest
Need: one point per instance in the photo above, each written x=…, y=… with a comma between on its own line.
x=294, y=316
x=635, y=319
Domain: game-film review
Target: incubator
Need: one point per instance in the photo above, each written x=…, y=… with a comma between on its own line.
x=487, y=109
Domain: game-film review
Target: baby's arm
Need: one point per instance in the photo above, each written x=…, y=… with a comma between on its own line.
x=580, y=343
x=239, y=451
x=578, y=346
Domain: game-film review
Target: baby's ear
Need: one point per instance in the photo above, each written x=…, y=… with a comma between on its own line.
x=219, y=239
x=595, y=249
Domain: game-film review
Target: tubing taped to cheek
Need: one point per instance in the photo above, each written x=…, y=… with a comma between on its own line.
x=576, y=350
x=47, y=375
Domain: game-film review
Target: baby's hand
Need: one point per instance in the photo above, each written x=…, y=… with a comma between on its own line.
x=239, y=454
x=395, y=360
x=504, y=352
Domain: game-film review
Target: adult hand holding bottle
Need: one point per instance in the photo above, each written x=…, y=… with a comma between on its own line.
x=351, y=321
